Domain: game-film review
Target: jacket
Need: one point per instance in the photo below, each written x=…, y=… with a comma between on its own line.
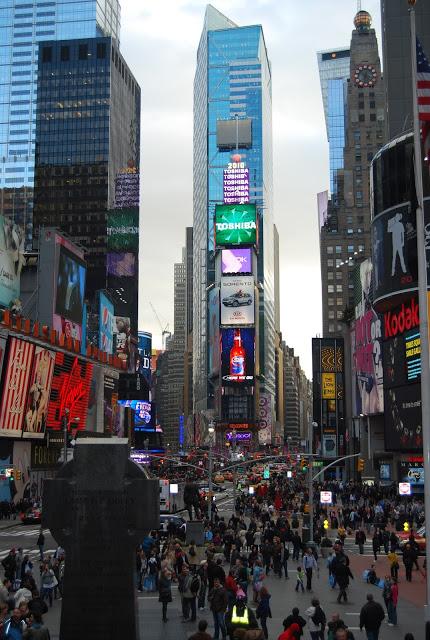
x=13, y=630
x=310, y=612
x=231, y=625
x=292, y=619
x=263, y=609
x=164, y=589
x=343, y=574
x=36, y=632
x=294, y=631
x=371, y=616
x=218, y=599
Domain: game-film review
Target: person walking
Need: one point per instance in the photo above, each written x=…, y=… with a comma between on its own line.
x=300, y=578
x=165, y=590
x=263, y=610
x=392, y=604
x=371, y=617
x=217, y=599
x=376, y=544
x=316, y=620
x=360, y=539
x=48, y=582
x=342, y=575
x=294, y=618
x=36, y=630
x=408, y=561
x=41, y=543
x=309, y=564
x=393, y=559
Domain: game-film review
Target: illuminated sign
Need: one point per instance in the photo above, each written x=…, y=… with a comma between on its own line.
x=328, y=386
x=106, y=323
x=235, y=224
x=238, y=355
x=140, y=457
x=122, y=230
x=237, y=300
x=127, y=188
x=236, y=183
x=145, y=354
x=413, y=355
x=412, y=472
x=236, y=260
x=15, y=387
x=325, y=497
x=406, y=318
x=242, y=436
x=404, y=489
x=70, y=390
x=38, y=394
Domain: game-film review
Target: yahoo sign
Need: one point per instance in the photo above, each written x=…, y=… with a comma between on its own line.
x=242, y=436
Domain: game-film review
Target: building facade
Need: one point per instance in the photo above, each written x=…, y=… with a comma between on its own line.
x=345, y=235
x=232, y=117
x=87, y=161
x=22, y=27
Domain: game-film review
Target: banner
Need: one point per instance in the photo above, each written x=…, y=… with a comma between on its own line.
x=38, y=394
x=15, y=387
x=237, y=300
x=106, y=323
x=265, y=419
x=11, y=260
x=328, y=384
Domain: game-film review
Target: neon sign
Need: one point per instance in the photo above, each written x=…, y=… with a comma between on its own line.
x=70, y=390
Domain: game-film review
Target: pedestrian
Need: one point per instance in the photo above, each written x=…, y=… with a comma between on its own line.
x=386, y=592
x=371, y=617
x=191, y=589
x=203, y=575
x=393, y=559
x=41, y=543
x=376, y=544
x=342, y=574
x=201, y=634
x=285, y=558
x=263, y=610
x=392, y=604
x=292, y=632
x=36, y=630
x=217, y=599
x=14, y=627
x=9, y=565
x=297, y=545
x=165, y=591
x=48, y=583
x=240, y=616
x=258, y=576
x=294, y=618
x=309, y=564
x=316, y=620
x=360, y=539
x=343, y=633
x=300, y=578
x=333, y=625
x=408, y=561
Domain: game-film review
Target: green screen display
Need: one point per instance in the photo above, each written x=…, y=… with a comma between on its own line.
x=123, y=229
x=235, y=224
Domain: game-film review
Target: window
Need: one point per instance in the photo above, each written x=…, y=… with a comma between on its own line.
x=357, y=157
x=339, y=315
x=338, y=262
x=101, y=50
x=329, y=250
x=372, y=104
x=349, y=219
x=373, y=117
x=330, y=275
x=330, y=302
x=331, y=327
x=371, y=94
x=350, y=248
x=361, y=117
x=331, y=315
x=339, y=288
x=339, y=302
x=350, y=231
x=64, y=54
x=357, y=147
x=358, y=181
x=361, y=105
x=361, y=247
x=330, y=288
x=83, y=52
x=47, y=54
x=338, y=275
x=360, y=94
x=359, y=195
x=330, y=262
x=338, y=248
x=358, y=168
x=357, y=136
x=339, y=327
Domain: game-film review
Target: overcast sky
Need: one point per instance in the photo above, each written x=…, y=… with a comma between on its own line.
x=159, y=41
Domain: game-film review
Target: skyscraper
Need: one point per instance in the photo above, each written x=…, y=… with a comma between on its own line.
x=396, y=48
x=345, y=237
x=23, y=24
x=87, y=160
x=232, y=128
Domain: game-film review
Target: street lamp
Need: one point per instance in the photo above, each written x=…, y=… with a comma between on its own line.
x=312, y=426
x=211, y=431
x=233, y=453
x=65, y=430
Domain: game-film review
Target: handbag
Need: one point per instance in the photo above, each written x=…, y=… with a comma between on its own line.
x=254, y=634
x=331, y=580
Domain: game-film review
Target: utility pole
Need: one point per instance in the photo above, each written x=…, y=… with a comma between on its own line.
x=234, y=442
x=311, y=480
x=211, y=431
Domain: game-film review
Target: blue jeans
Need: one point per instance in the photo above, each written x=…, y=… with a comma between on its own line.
x=372, y=635
x=392, y=612
x=219, y=623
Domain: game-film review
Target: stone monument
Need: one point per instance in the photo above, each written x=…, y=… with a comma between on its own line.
x=99, y=507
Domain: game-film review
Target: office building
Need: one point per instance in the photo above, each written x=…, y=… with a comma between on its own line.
x=297, y=396
x=23, y=25
x=87, y=160
x=334, y=72
x=345, y=236
x=396, y=50
x=232, y=137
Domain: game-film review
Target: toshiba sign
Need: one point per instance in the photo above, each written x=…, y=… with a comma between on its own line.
x=405, y=318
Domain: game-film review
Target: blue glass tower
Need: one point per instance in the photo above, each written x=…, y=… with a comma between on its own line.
x=232, y=82
x=23, y=24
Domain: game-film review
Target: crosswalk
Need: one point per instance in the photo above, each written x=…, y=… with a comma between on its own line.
x=21, y=530
x=33, y=554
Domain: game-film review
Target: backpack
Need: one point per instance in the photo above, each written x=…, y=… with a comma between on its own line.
x=319, y=616
x=195, y=584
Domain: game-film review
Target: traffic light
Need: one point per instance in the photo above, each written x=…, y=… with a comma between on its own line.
x=406, y=527
x=266, y=473
x=304, y=465
x=360, y=465
x=306, y=508
x=11, y=475
x=18, y=474
x=326, y=524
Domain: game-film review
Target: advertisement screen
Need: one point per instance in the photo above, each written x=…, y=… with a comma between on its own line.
x=70, y=389
x=70, y=286
x=121, y=264
x=265, y=419
x=237, y=300
x=38, y=393
x=402, y=418
x=238, y=356
x=143, y=416
x=127, y=188
x=15, y=384
x=106, y=323
x=123, y=230
x=242, y=436
x=236, y=183
x=412, y=472
x=214, y=350
x=11, y=260
x=110, y=405
x=145, y=352
x=367, y=364
x=122, y=337
x=235, y=224
x=328, y=386
x=413, y=355
x=236, y=261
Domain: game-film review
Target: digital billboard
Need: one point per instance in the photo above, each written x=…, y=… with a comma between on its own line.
x=237, y=356
x=15, y=385
x=235, y=224
x=265, y=418
x=122, y=229
x=236, y=183
x=127, y=188
x=328, y=386
x=70, y=286
x=106, y=323
x=110, y=404
x=214, y=348
x=38, y=393
x=237, y=300
x=236, y=261
x=121, y=264
x=70, y=389
x=145, y=354
x=122, y=338
x=402, y=418
x=11, y=260
x=412, y=341
x=367, y=364
x=412, y=471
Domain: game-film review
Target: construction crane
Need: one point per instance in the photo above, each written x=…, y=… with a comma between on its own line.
x=165, y=333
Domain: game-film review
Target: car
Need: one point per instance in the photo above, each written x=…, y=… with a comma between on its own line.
x=31, y=516
x=228, y=476
x=238, y=299
x=219, y=478
x=179, y=522
x=419, y=536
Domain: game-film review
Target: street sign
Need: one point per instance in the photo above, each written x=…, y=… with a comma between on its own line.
x=289, y=474
x=318, y=463
x=325, y=497
x=405, y=489
x=251, y=491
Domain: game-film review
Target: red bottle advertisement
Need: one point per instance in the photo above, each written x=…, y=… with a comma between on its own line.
x=237, y=356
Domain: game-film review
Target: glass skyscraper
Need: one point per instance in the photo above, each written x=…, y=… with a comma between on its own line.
x=232, y=83
x=23, y=24
x=334, y=72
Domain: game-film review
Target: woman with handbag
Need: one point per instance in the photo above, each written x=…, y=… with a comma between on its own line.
x=263, y=610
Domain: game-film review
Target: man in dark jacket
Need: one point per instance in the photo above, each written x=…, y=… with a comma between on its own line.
x=215, y=570
x=192, y=499
x=296, y=618
x=371, y=617
x=342, y=574
x=218, y=603
x=360, y=539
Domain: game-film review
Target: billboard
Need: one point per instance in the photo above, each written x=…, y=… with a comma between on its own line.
x=121, y=264
x=235, y=224
x=110, y=404
x=38, y=394
x=106, y=323
x=412, y=471
x=123, y=230
x=236, y=183
x=236, y=261
x=122, y=338
x=70, y=389
x=265, y=418
x=15, y=385
x=70, y=286
x=145, y=352
x=11, y=260
x=237, y=356
x=237, y=300
x=402, y=418
x=214, y=348
x=234, y=133
x=328, y=386
x=127, y=188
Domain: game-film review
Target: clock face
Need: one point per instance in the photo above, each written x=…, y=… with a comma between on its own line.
x=365, y=76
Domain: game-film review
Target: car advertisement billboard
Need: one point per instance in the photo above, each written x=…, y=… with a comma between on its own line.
x=15, y=385
x=122, y=229
x=236, y=261
x=237, y=300
x=235, y=224
x=11, y=260
x=237, y=356
x=106, y=323
x=70, y=389
x=38, y=394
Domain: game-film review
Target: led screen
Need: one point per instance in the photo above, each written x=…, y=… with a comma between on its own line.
x=236, y=261
x=235, y=224
x=238, y=355
x=121, y=264
x=70, y=286
x=237, y=300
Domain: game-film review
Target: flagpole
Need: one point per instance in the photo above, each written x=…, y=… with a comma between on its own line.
x=422, y=297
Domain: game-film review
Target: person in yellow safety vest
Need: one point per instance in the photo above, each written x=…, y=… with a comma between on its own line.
x=240, y=616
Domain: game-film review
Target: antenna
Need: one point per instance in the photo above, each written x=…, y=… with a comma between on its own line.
x=358, y=5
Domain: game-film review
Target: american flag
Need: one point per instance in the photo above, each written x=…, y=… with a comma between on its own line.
x=423, y=88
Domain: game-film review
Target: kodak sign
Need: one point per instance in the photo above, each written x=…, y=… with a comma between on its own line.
x=403, y=319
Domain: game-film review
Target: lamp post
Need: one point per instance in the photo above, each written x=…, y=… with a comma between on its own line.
x=65, y=421
x=211, y=431
x=312, y=425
